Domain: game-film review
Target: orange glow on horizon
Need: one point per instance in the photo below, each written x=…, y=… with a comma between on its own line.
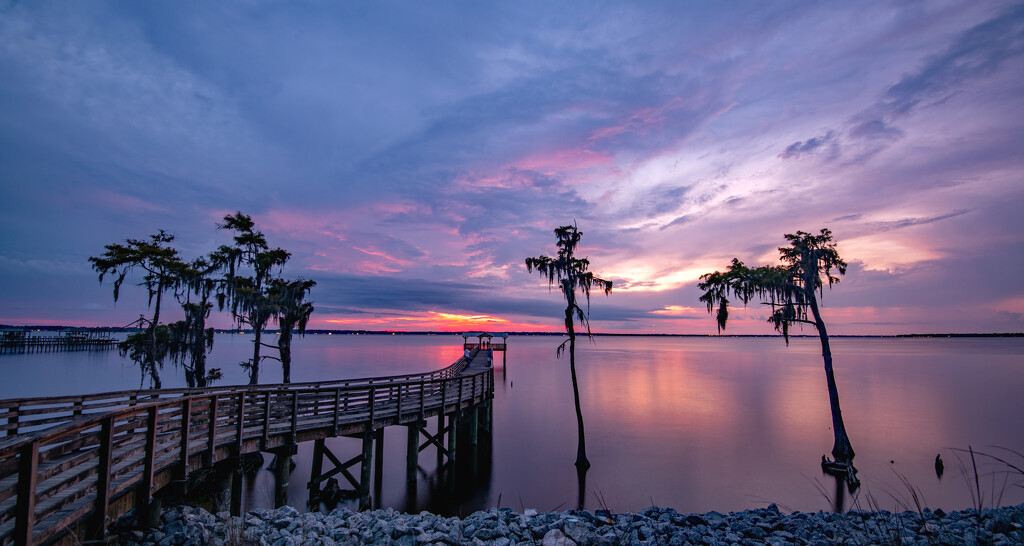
x=435, y=321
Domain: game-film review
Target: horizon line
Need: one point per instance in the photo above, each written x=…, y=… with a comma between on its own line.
x=324, y=331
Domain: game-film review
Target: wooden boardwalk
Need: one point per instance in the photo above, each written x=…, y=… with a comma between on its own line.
x=71, y=465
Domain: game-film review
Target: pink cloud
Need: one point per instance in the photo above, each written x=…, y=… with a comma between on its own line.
x=638, y=123
x=121, y=202
x=568, y=159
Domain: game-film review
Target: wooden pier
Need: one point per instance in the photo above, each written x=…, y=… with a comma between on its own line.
x=71, y=465
x=23, y=341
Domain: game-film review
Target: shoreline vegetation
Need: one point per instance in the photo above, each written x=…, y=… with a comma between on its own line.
x=311, y=331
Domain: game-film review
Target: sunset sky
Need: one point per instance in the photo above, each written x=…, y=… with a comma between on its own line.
x=411, y=154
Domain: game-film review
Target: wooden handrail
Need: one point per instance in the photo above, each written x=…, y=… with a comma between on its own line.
x=18, y=414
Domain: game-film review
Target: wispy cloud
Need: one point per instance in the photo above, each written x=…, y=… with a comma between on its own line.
x=411, y=156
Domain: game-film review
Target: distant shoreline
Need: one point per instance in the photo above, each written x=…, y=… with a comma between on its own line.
x=43, y=328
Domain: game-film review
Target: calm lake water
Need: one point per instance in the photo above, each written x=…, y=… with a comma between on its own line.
x=697, y=424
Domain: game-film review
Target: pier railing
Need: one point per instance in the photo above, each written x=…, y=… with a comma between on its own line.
x=92, y=458
x=21, y=415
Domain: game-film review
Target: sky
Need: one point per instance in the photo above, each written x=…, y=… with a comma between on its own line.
x=411, y=155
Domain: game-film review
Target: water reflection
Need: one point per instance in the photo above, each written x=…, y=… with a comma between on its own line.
x=694, y=423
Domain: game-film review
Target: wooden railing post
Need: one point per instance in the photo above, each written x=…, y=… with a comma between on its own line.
x=240, y=426
x=12, y=419
x=25, y=514
x=211, y=444
x=266, y=419
x=186, y=440
x=373, y=404
x=144, y=491
x=398, y=405
x=423, y=389
x=98, y=526
x=444, y=395
x=295, y=417
x=337, y=409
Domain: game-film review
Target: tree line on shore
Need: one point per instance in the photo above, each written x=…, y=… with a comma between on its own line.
x=243, y=278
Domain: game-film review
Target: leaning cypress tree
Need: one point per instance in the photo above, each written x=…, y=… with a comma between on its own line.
x=790, y=290
x=159, y=263
x=572, y=275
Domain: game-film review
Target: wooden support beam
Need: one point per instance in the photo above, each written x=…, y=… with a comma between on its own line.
x=364, y=475
x=378, y=466
x=343, y=469
x=282, y=473
x=474, y=424
x=453, y=431
x=435, y=439
x=236, y=490
x=412, y=452
x=317, y=467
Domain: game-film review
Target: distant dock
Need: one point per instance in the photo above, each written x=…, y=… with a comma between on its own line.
x=24, y=341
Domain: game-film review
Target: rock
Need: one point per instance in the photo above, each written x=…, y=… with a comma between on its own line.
x=694, y=519
x=578, y=532
x=406, y=540
x=556, y=537
x=286, y=526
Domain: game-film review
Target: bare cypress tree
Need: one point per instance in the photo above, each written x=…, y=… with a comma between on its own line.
x=789, y=290
x=571, y=274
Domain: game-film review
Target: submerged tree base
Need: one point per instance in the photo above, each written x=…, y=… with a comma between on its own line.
x=842, y=470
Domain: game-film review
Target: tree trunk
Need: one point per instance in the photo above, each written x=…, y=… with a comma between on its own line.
x=284, y=347
x=581, y=448
x=254, y=370
x=842, y=451
x=199, y=345
x=154, y=374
